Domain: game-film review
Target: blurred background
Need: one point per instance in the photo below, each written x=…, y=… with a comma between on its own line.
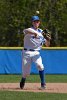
x=15, y=15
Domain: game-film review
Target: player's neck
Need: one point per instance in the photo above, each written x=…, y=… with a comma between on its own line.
x=36, y=28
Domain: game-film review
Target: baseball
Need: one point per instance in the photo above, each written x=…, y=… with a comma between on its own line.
x=37, y=12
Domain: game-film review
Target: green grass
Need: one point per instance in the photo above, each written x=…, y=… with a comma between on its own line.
x=16, y=95
x=9, y=95
x=33, y=78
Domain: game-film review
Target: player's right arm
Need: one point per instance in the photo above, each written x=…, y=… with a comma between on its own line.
x=30, y=31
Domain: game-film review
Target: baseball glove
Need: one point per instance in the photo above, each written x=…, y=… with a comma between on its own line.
x=46, y=34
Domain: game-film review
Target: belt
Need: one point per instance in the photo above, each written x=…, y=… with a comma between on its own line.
x=29, y=49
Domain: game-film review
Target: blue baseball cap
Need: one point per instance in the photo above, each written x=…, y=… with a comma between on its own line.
x=34, y=18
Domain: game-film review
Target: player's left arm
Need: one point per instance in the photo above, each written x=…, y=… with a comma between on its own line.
x=48, y=39
x=47, y=36
x=47, y=43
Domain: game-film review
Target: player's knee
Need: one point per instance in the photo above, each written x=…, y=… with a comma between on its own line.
x=40, y=67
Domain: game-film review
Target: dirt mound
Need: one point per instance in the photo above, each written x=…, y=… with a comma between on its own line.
x=35, y=87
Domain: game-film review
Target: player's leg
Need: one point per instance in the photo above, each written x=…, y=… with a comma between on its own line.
x=41, y=71
x=26, y=64
x=42, y=77
x=38, y=60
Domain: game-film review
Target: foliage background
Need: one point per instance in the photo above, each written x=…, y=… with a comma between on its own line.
x=15, y=15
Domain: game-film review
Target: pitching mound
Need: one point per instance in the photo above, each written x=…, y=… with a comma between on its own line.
x=35, y=87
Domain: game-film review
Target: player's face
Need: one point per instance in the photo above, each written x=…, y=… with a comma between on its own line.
x=36, y=24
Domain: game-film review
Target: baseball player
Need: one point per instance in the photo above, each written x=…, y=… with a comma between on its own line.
x=33, y=41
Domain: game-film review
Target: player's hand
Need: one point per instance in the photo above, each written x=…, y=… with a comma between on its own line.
x=36, y=35
x=46, y=34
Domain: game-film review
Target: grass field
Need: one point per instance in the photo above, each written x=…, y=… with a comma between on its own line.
x=7, y=95
x=34, y=78
x=12, y=95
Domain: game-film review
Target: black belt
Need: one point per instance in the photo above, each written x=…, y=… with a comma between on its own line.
x=29, y=49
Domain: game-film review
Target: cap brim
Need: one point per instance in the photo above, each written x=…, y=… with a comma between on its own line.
x=36, y=20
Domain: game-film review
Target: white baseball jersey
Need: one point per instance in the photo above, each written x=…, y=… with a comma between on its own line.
x=30, y=42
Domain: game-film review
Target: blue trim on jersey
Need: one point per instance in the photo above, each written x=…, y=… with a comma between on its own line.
x=39, y=30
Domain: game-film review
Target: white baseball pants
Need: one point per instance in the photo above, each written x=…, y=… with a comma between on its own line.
x=28, y=58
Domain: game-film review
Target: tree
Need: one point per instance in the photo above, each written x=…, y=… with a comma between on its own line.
x=15, y=15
